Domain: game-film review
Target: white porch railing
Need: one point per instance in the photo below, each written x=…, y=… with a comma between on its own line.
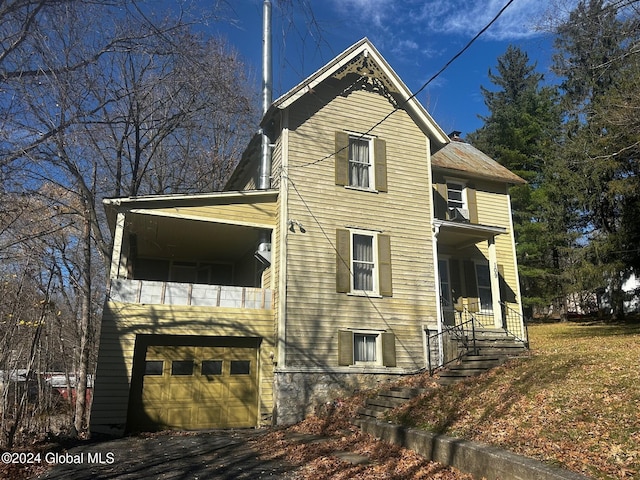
x=170, y=293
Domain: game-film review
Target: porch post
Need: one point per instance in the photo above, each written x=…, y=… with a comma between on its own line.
x=495, y=282
x=117, y=262
x=439, y=319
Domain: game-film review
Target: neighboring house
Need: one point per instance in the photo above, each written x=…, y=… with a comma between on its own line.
x=249, y=306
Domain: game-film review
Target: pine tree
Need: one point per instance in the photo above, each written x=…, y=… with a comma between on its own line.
x=519, y=132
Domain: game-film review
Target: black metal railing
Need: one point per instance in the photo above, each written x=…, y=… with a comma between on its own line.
x=460, y=331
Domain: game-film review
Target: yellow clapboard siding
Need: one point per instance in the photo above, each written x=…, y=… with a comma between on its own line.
x=314, y=311
x=122, y=322
x=263, y=213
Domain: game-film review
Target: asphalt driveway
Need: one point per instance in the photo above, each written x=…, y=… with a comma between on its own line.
x=221, y=454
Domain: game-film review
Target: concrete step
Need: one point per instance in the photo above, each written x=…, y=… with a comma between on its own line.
x=369, y=413
x=405, y=393
x=385, y=402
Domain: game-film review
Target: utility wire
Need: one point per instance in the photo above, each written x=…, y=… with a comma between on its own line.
x=433, y=77
x=284, y=174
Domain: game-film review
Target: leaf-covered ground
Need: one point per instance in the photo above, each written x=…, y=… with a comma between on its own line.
x=573, y=401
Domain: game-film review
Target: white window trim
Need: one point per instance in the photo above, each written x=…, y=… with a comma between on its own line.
x=465, y=200
x=375, y=292
x=378, y=338
x=372, y=169
x=486, y=311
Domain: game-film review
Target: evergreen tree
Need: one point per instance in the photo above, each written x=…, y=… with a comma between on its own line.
x=519, y=132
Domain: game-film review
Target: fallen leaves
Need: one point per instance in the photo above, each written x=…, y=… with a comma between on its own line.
x=574, y=402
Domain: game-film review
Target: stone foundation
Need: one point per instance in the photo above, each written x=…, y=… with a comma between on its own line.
x=299, y=394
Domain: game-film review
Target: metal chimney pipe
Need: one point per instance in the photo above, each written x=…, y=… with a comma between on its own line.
x=264, y=182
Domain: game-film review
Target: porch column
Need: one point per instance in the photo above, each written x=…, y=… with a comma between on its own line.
x=439, y=319
x=116, y=254
x=495, y=282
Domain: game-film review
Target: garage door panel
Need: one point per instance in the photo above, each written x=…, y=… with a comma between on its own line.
x=194, y=387
x=179, y=417
x=209, y=417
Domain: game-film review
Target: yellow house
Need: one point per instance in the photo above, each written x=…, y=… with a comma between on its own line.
x=375, y=239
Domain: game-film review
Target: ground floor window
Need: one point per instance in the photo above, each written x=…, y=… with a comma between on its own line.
x=483, y=277
x=364, y=347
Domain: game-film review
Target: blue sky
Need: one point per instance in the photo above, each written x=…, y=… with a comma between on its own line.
x=417, y=37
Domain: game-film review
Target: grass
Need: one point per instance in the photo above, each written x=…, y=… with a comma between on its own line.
x=573, y=401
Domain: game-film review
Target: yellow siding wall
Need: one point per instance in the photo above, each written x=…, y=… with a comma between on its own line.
x=315, y=311
x=261, y=213
x=493, y=209
x=122, y=322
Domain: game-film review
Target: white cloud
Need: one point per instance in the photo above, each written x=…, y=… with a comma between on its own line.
x=522, y=19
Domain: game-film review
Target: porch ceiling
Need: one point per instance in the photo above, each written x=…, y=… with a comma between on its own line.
x=461, y=235
x=181, y=238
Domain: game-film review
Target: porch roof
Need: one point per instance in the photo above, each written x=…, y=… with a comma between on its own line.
x=461, y=235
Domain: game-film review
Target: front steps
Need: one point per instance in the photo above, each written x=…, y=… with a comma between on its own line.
x=492, y=348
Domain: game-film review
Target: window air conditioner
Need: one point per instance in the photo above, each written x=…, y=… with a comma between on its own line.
x=459, y=214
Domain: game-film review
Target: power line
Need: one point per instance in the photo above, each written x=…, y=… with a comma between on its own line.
x=433, y=77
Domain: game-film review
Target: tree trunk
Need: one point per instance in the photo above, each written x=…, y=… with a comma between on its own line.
x=85, y=315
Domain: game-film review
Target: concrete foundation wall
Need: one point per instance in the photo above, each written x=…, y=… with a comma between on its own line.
x=298, y=394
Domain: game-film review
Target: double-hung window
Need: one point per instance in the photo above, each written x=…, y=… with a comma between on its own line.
x=360, y=162
x=455, y=195
x=363, y=264
x=457, y=201
x=483, y=277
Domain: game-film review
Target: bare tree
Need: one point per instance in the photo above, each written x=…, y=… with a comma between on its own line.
x=98, y=100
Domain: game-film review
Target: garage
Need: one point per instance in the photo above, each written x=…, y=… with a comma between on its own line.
x=188, y=383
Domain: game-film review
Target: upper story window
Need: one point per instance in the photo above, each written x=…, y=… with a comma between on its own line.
x=361, y=174
x=360, y=162
x=456, y=195
x=363, y=262
x=457, y=205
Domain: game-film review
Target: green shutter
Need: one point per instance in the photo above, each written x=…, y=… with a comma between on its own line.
x=342, y=158
x=343, y=260
x=345, y=348
x=440, y=197
x=384, y=264
x=472, y=203
x=380, y=164
x=388, y=349
x=471, y=291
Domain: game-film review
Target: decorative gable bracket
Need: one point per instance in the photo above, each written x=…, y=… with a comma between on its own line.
x=372, y=77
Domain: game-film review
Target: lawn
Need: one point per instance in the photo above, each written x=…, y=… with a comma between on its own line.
x=573, y=401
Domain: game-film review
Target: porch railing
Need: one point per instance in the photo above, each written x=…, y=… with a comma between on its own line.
x=463, y=327
x=173, y=293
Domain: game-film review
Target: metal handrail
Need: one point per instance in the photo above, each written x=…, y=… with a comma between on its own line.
x=511, y=317
x=458, y=330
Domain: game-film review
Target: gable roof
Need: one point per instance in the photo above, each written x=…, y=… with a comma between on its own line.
x=375, y=66
x=465, y=158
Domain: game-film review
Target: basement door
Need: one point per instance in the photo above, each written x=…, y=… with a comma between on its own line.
x=190, y=387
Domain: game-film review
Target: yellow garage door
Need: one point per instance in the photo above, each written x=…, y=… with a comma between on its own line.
x=196, y=387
